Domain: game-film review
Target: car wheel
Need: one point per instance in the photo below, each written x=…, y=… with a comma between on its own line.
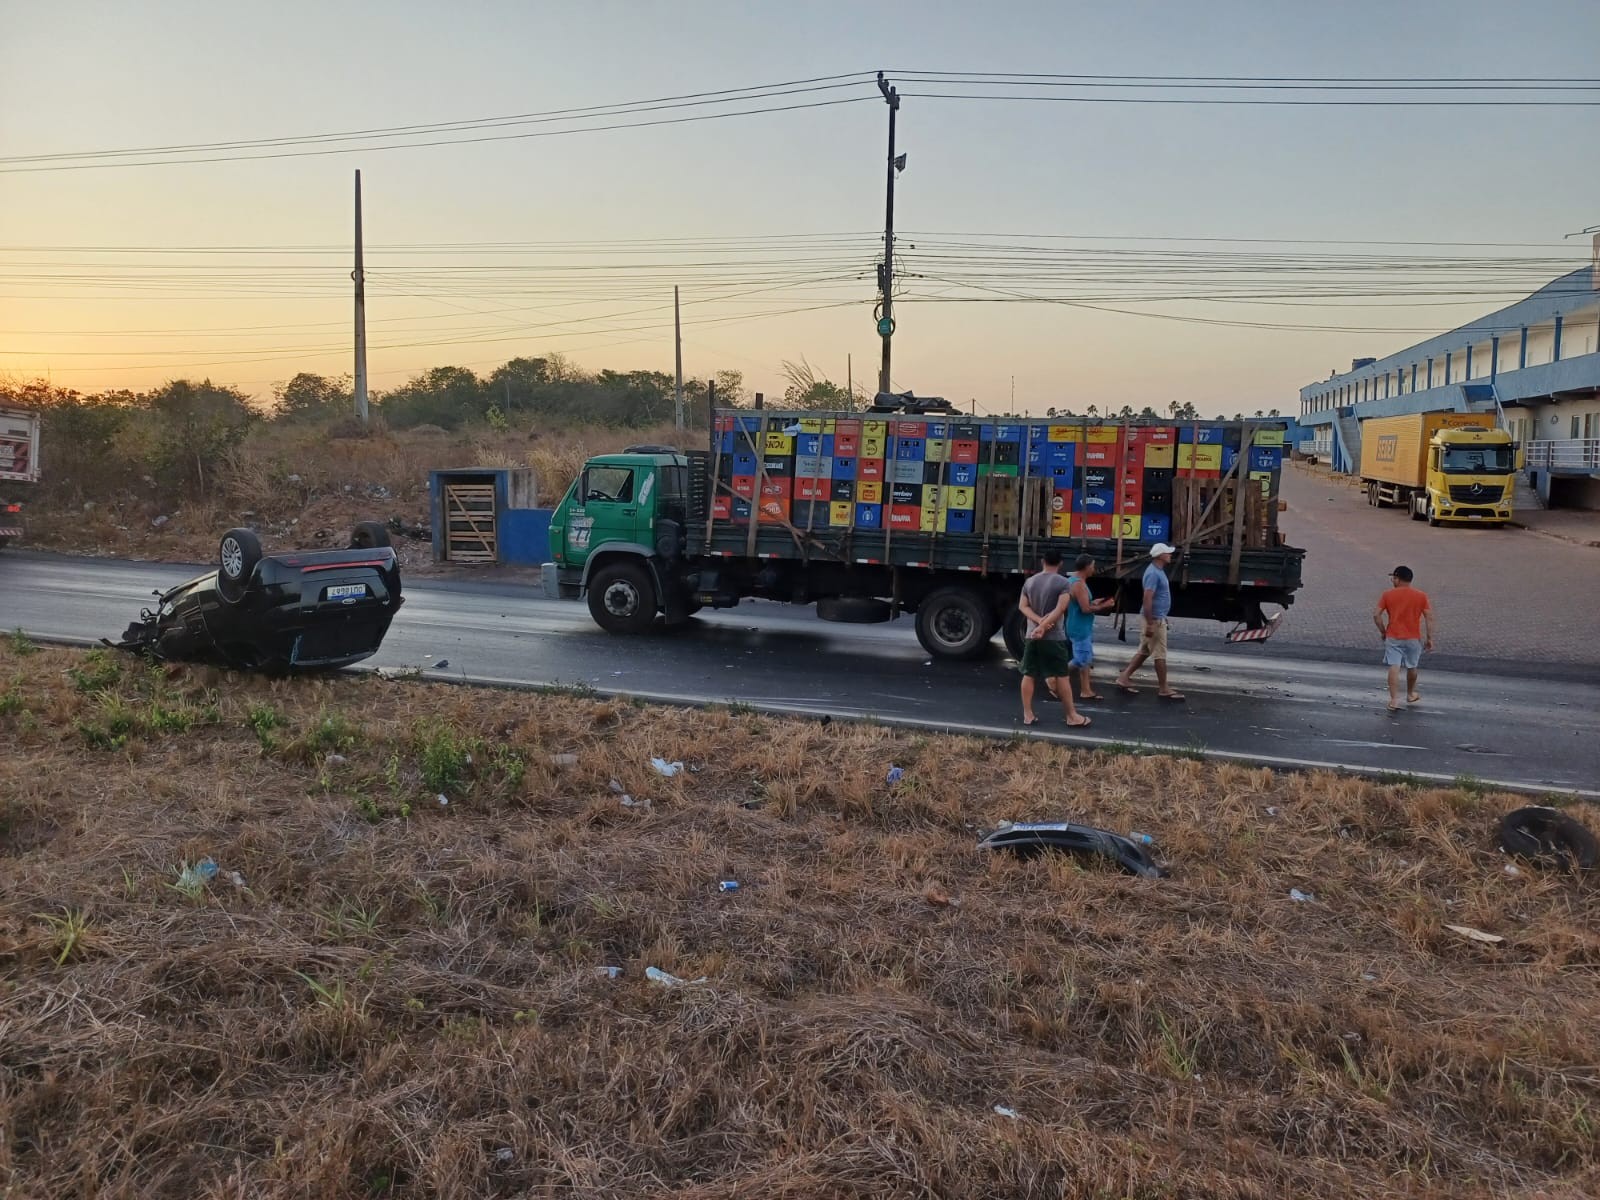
x=953, y=623
x=369, y=535
x=237, y=556
x=622, y=598
x=1419, y=508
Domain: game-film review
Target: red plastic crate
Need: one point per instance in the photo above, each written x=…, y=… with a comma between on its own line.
x=744, y=485
x=869, y=470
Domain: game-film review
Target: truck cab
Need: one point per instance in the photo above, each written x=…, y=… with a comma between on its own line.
x=618, y=534
x=1471, y=472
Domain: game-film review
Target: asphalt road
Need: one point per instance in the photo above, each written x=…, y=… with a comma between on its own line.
x=1531, y=731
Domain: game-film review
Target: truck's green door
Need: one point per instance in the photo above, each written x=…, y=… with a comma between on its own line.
x=612, y=502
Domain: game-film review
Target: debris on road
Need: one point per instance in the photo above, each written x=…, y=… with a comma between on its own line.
x=1010, y=1113
x=1477, y=935
x=665, y=979
x=665, y=768
x=896, y=774
x=1300, y=897
x=563, y=760
x=1026, y=839
x=1548, y=837
x=728, y=885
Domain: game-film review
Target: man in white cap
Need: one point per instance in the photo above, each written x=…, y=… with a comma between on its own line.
x=1153, y=638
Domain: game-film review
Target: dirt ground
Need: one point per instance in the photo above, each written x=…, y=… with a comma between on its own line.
x=397, y=983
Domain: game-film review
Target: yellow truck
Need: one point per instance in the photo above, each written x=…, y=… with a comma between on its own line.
x=1452, y=468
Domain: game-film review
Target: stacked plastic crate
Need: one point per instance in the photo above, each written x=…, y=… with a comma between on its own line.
x=919, y=475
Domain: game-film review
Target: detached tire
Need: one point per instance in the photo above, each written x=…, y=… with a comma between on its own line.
x=1549, y=837
x=369, y=535
x=238, y=553
x=622, y=598
x=1015, y=632
x=953, y=623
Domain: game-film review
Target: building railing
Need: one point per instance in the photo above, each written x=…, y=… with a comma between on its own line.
x=1564, y=454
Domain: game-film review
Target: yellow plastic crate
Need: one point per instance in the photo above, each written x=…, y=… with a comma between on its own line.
x=841, y=513
x=1060, y=524
x=869, y=492
x=1200, y=458
x=780, y=443
x=1160, y=456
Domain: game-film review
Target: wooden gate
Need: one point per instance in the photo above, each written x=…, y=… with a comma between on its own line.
x=469, y=522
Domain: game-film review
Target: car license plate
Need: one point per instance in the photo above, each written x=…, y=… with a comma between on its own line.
x=347, y=591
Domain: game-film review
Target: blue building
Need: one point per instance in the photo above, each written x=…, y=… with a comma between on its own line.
x=1532, y=367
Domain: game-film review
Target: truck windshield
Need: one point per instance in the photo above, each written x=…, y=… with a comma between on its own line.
x=1476, y=460
x=608, y=483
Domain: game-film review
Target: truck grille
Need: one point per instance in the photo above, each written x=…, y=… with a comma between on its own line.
x=1463, y=493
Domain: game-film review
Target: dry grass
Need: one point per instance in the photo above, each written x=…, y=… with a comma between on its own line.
x=406, y=999
x=304, y=489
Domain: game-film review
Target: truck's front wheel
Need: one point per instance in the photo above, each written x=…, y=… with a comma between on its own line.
x=954, y=623
x=622, y=598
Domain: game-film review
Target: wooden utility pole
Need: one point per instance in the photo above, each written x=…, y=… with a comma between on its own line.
x=677, y=342
x=886, y=273
x=359, y=275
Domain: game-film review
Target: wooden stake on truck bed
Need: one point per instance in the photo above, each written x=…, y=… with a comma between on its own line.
x=1241, y=472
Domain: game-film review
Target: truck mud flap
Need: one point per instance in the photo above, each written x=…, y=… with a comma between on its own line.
x=1241, y=633
x=1026, y=840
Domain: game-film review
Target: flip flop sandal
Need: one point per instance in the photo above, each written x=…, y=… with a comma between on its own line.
x=1092, y=697
x=1173, y=696
x=1083, y=724
x=1032, y=723
x=1129, y=688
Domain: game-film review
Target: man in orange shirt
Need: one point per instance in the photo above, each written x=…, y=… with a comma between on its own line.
x=1405, y=623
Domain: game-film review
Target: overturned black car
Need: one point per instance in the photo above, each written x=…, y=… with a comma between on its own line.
x=303, y=611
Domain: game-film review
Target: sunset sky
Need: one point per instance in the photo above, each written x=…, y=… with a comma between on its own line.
x=124, y=276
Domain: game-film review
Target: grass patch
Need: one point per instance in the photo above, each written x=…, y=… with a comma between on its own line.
x=428, y=1002
x=21, y=644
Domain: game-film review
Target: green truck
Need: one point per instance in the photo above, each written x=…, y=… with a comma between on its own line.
x=911, y=507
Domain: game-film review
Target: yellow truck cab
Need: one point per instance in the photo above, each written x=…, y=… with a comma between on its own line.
x=1443, y=468
x=1470, y=477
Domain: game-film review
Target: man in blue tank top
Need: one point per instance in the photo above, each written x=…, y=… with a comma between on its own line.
x=1081, y=612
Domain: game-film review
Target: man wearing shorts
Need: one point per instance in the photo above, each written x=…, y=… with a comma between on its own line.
x=1044, y=654
x=1153, y=639
x=1081, y=610
x=1405, y=623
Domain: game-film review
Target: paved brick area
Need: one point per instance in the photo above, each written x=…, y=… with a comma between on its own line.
x=1501, y=594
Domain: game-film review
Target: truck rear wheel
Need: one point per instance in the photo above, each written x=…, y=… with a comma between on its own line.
x=953, y=622
x=622, y=598
x=1419, y=508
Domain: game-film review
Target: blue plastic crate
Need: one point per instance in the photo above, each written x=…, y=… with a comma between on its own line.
x=1265, y=458
x=958, y=520
x=963, y=474
x=844, y=468
x=809, y=445
x=911, y=449
x=1096, y=502
x=744, y=464
x=869, y=516
x=1155, y=528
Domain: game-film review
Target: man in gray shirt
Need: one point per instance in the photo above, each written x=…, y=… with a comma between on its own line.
x=1044, y=602
x=1153, y=638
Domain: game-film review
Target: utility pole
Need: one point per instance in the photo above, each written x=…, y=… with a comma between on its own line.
x=886, y=272
x=359, y=275
x=677, y=341
x=850, y=381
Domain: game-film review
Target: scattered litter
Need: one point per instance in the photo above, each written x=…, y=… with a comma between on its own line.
x=1002, y=1111
x=441, y=664
x=1548, y=837
x=939, y=898
x=444, y=800
x=1512, y=871
x=1026, y=839
x=629, y=802
x=1477, y=935
x=1272, y=810
x=335, y=760
x=826, y=720
x=1368, y=977
x=505, y=1154
x=663, y=767
x=160, y=521
x=1144, y=839
x=1300, y=897
x=896, y=774
x=657, y=975
x=616, y=786
x=609, y=972
x=1351, y=1037
x=293, y=478
x=198, y=875
x=728, y=885
x=236, y=879
x=563, y=760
